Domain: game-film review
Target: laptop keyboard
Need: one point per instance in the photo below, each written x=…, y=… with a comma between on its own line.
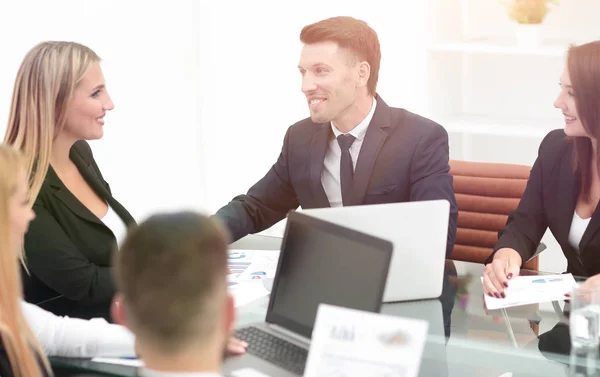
x=273, y=349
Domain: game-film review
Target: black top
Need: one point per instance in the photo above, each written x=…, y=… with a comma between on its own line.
x=404, y=157
x=549, y=202
x=68, y=248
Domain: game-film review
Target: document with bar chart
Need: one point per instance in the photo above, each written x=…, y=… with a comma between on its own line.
x=353, y=343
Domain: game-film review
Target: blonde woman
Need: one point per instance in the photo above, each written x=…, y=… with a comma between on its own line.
x=59, y=102
x=28, y=333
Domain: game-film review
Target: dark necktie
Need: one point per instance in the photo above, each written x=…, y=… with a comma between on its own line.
x=346, y=168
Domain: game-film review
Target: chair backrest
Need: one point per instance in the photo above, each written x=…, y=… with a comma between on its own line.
x=485, y=194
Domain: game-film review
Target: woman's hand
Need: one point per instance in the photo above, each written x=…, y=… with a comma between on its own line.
x=591, y=282
x=505, y=266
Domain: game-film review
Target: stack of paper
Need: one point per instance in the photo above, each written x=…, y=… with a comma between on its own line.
x=525, y=290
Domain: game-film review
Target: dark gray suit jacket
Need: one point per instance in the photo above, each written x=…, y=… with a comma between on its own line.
x=404, y=157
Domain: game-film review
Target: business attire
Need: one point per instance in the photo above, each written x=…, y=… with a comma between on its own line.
x=68, y=249
x=75, y=337
x=392, y=156
x=549, y=202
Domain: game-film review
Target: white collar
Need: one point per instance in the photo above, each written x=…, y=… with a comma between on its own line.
x=155, y=373
x=359, y=131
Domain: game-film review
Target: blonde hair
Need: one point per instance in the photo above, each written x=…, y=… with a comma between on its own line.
x=23, y=350
x=44, y=87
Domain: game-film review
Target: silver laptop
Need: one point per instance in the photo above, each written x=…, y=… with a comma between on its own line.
x=418, y=231
x=320, y=262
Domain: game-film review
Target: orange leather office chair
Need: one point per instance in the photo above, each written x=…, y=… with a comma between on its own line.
x=485, y=194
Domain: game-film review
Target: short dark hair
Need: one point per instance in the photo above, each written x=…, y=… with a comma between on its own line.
x=171, y=270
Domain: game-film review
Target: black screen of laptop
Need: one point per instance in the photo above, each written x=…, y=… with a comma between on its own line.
x=324, y=263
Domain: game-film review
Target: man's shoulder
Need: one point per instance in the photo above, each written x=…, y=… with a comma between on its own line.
x=305, y=128
x=414, y=123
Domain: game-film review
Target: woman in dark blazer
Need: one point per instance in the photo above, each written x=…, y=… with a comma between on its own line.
x=69, y=245
x=564, y=185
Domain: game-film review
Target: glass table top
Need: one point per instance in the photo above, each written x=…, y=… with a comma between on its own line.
x=464, y=338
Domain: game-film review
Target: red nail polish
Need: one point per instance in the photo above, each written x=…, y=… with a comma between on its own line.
x=509, y=276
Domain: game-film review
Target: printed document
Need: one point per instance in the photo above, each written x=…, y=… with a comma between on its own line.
x=353, y=343
x=525, y=290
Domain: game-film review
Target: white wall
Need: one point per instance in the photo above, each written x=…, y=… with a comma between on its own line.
x=252, y=92
x=205, y=90
x=150, y=152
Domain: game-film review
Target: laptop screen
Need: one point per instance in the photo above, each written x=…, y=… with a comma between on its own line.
x=321, y=262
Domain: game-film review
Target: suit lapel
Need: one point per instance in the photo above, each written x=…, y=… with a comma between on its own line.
x=374, y=139
x=568, y=191
x=68, y=199
x=97, y=185
x=90, y=176
x=318, y=148
x=591, y=230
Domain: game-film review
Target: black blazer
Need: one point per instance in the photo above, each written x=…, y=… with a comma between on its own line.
x=68, y=249
x=549, y=202
x=404, y=157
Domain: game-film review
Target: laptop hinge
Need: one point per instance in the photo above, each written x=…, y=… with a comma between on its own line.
x=302, y=339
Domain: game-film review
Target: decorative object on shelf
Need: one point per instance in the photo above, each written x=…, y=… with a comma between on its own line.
x=528, y=15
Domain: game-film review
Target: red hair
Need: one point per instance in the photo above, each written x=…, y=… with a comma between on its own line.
x=583, y=63
x=351, y=34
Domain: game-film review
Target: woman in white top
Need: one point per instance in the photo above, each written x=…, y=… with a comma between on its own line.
x=28, y=333
x=563, y=189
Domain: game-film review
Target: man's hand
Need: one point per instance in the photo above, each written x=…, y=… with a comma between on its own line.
x=236, y=347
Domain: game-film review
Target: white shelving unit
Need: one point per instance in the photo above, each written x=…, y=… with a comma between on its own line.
x=494, y=96
x=499, y=47
x=490, y=93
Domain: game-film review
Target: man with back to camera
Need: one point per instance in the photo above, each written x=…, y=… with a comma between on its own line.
x=354, y=149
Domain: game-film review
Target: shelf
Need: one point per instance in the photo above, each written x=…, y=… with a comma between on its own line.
x=473, y=125
x=557, y=50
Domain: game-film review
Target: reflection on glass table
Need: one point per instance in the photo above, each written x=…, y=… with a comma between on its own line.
x=464, y=339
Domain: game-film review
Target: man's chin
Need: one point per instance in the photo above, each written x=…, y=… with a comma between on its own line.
x=318, y=118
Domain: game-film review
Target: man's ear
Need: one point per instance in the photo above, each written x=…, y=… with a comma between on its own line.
x=364, y=72
x=117, y=310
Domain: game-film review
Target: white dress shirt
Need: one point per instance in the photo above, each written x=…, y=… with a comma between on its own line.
x=330, y=176
x=578, y=227
x=75, y=337
x=115, y=224
x=145, y=372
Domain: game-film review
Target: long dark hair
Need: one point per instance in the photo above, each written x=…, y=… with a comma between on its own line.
x=583, y=63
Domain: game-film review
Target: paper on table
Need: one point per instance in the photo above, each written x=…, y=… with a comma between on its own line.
x=251, y=264
x=119, y=361
x=525, y=290
x=245, y=292
x=353, y=343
